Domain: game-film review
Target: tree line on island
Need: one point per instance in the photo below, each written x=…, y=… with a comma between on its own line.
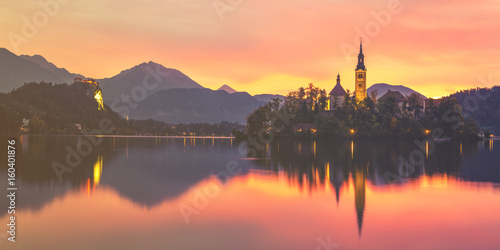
x=304, y=113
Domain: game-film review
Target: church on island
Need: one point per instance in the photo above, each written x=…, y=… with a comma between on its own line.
x=337, y=95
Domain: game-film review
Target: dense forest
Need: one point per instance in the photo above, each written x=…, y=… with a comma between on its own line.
x=368, y=118
x=77, y=108
x=482, y=105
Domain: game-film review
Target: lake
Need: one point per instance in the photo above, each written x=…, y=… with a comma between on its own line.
x=214, y=193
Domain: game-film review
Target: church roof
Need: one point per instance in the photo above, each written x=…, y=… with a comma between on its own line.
x=399, y=97
x=338, y=90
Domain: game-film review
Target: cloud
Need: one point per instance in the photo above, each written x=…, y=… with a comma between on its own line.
x=439, y=45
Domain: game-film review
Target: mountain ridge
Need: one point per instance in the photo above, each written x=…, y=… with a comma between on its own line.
x=16, y=71
x=147, y=78
x=382, y=88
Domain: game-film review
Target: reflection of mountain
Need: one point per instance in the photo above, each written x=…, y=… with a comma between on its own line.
x=148, y=171
x=310, y=163
x=149, y=176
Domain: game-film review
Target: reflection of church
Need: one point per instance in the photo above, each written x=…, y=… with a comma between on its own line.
x=337, y=95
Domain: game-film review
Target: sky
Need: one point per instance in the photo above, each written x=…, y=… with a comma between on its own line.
x=435, y=47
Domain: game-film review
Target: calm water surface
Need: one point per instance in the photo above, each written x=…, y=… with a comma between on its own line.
x=176, y=193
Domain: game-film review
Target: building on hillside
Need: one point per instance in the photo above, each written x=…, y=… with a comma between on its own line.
x=430, y=104
x=400, y=98
x=25, y=126
x=78, y=126
x=89, y=81
x=337, y=95
x=360, y=82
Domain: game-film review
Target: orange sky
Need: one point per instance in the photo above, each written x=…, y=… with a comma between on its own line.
x=260, y=46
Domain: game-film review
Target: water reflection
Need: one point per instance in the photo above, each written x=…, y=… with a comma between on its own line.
x=286, y=184
x=312, y=163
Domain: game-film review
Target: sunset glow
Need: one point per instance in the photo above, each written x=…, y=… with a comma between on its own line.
x=434, y=47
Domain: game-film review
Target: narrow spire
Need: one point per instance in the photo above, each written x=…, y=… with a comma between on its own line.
x=361, y=57
x=361, y=45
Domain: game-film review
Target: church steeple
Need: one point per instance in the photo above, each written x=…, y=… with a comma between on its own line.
x=360, y=87
x=361, y=57
x=338, y=78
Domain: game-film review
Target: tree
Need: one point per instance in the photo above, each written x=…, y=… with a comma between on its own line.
x=415, y=103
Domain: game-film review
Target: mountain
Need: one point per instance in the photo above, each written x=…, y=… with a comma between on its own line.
x=62, y=73
x=227, y=89
x=146, y=78
x=16, y=70
x=267, y=97
x=196, y=105
x=261, y=98
x=382, y=88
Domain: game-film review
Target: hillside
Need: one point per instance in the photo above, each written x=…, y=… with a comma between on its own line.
x=196, y=105
x=61, y=73
x=482, y=105
x=267, y=97
x=150, y=77
x=15, y=71
x=382, y=88
x=54, y=108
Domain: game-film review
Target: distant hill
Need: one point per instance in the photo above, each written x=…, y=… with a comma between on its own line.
x=62, y=73
x=382, y=88
x=483, y=106
x=196, y=105
x=267, y=97
x=16, y=70
x=146, y=75
x=227, y=89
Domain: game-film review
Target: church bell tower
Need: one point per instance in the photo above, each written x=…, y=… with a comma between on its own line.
x=360, y=87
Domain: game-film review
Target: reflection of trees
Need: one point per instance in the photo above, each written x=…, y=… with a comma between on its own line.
x=36, y=180
x=309, y=162
x=312, y=163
